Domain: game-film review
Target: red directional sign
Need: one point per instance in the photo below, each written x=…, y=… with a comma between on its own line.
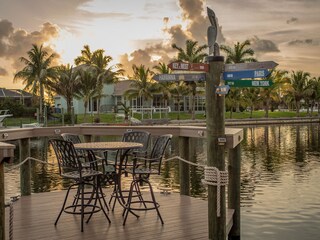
x=199, y=67
x=203, y=67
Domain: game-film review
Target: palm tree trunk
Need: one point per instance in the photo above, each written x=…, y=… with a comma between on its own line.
x=298, y=108
x=41, y=102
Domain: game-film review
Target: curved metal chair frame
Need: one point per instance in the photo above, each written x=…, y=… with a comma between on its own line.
x=142, y=168
x=70, y=167
x=142, y=137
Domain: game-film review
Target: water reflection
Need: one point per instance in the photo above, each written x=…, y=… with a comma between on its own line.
x=279, y=179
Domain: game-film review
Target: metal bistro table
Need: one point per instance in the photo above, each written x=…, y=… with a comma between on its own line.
x=112, y=146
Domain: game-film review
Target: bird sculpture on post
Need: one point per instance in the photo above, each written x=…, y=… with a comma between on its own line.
x=212, y=34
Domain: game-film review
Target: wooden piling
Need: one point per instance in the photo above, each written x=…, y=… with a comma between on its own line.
x=2, y=203
x=184, y=171
x=25, y=169
x=6, y=155
x=234, y=169
x=215, y=110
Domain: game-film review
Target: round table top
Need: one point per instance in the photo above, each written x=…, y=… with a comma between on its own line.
x=107, y=145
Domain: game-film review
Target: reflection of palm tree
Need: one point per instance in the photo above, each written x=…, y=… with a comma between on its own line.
x=37, y=72
x=192, y=54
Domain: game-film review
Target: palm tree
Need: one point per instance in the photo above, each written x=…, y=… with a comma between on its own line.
x=273, y=93
x=87, y=89
x=298, y=87
x=141, y=86
x=179, y=90
x=37, y=71
x=251, y=97
x=192, y=54
x=240, y=53
x=65, y=84
x=86, y=56
x=165, y=87
x=104, y=73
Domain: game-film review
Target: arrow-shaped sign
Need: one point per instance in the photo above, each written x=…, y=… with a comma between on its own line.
x=188, y=77
x=223, y=89
x=204, y=67
x=259, y=73
x=250, y=65
x=249, y=83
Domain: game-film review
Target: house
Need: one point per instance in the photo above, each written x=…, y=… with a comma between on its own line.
x=17, y=95
x=113, y=96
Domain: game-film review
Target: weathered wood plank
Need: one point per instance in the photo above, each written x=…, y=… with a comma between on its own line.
x=184, y=217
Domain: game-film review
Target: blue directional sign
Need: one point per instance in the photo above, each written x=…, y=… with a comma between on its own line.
x=256, y=73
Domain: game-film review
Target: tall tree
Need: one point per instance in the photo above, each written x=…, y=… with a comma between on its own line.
x=299, y=83
x=273, y=93
x=66, y=84
x=87, y=89
x=192, y=54
x=165, y=87
x=37, y=71
x=240, y=53
x=105, y=74
x=179, y=91
x=142, y=86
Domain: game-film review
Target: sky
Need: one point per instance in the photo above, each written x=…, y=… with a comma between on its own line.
x=142, y=31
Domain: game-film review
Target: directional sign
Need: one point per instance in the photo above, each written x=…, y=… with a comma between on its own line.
x=179, y=66
x=250, y=65
x=180, y=77
x=224, y=89
x=249, y=83
x=259, y=73
x=189, y=66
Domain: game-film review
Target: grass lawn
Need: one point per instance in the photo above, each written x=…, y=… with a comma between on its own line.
x=113, y=118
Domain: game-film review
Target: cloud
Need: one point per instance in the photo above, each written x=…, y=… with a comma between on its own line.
x=263, y=45
x=292, y=20
x=67, y=13
x=196, y=24
x=146, y=57
x=14, y=43
x=3, y=72
x=305, y=42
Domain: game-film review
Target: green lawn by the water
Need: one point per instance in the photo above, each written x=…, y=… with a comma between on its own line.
x=113, y=118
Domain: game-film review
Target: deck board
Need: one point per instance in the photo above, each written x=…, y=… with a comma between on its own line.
x=185, y=218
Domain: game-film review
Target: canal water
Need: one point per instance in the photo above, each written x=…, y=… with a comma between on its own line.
x=280, y=186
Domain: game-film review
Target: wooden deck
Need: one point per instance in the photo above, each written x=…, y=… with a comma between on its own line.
x=184, y=218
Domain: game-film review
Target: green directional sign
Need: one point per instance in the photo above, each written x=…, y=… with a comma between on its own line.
x=248, y=83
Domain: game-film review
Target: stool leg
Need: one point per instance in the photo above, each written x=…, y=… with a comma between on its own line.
x=154, y=201
x=64, y=204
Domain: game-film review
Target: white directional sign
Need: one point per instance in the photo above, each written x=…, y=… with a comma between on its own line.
x=188, y=77
x=250, y=66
